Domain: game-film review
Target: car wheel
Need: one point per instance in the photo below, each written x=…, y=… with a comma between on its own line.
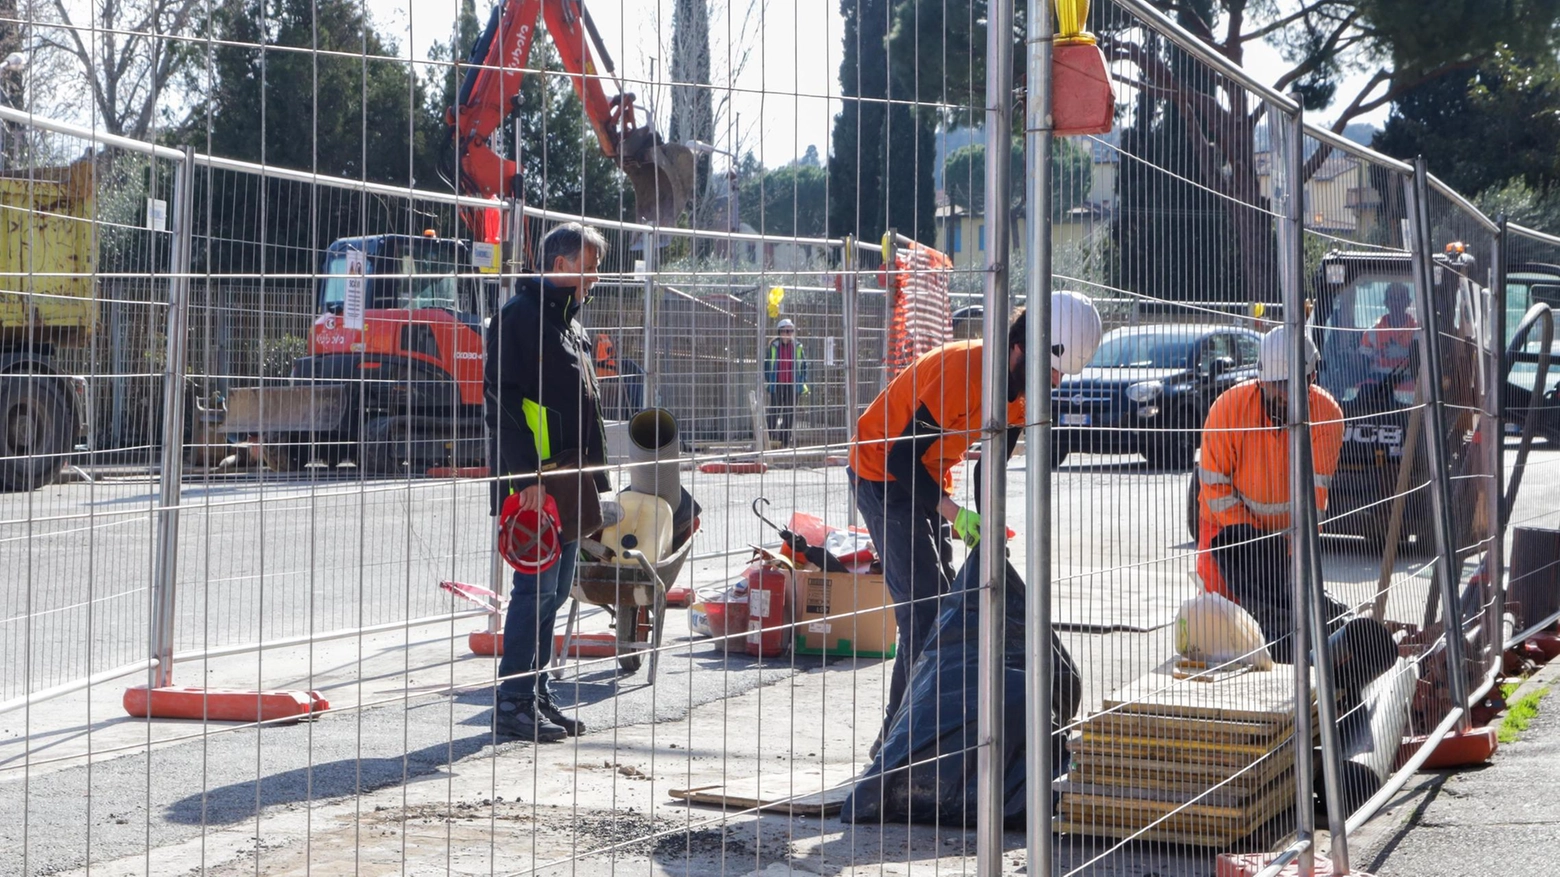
x=1170, y=451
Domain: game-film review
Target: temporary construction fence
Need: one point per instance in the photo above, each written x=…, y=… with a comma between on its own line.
x=291, y=560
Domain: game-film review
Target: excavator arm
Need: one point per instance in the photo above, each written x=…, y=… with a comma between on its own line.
x=661, y=173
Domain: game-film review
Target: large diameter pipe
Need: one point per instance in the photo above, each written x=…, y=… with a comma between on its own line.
x=654, y=456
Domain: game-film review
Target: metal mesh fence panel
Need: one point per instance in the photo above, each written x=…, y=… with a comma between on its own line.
x=750, y=631
x=1527, y=410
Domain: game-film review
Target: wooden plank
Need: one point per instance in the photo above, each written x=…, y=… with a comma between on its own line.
x=1180, y=728
x=805, y=793
x=1264, y=697
x=1131, y=773
x=1189, y=750
x=1169, y=752
x=1180, y=827
x=1219, y=794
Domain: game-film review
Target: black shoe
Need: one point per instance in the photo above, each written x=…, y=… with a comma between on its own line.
x=513, y=719
x=570, y=725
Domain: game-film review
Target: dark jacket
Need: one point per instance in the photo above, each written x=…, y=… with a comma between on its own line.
x=539, y=386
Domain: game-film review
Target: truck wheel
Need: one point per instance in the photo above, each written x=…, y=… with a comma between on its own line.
x=35, y=431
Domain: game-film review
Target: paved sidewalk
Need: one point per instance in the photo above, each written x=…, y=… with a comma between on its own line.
x=1500, y=819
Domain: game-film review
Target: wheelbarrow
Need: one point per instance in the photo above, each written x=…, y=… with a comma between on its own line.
x=635, y=596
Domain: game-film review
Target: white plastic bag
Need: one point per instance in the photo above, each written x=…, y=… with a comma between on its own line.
x=1213, y=629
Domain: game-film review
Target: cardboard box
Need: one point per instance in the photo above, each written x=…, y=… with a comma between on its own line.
x=861, y=625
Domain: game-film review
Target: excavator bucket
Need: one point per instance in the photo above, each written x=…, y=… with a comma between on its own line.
x=663, y=176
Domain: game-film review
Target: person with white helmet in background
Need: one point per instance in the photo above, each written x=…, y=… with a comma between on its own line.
x=1244, y=502
x=785, y=376
x=909, y=439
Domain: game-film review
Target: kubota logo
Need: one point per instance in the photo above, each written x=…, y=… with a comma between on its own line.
x=1372, y=434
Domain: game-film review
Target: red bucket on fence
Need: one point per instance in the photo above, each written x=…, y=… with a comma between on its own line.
x=767, y=588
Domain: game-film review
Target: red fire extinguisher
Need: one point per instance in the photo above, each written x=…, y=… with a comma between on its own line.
x=767, y=588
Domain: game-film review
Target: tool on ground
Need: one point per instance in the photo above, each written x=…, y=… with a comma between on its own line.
x=798, y=545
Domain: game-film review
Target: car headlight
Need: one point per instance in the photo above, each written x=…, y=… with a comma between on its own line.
x=1146, y=391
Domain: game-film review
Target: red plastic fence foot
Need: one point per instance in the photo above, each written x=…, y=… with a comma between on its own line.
x=585, y=645
x=221, y=704
x=734, y=468
x=458, y=472
x=1456, y=749
x=1248, y=864
x=678, y=596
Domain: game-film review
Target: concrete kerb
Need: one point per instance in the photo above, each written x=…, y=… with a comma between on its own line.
x=1400, y=815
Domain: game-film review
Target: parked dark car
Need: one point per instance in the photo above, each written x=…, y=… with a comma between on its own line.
x=1148, y=389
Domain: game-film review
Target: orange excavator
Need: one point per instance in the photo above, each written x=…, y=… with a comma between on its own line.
x=393, y=377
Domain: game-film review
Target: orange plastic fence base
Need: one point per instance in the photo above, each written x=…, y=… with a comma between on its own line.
x=718, y=468
x=585, y=645
x=1249, y=864
x=222, y=705
x=458, y=472
x=1455, y=749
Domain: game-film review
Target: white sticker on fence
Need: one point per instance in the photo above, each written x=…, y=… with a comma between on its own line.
x=352, y=298
x=828, y=351
x=156, y=214
x=485, y=257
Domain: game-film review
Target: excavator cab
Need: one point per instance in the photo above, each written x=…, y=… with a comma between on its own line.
x=404, y=272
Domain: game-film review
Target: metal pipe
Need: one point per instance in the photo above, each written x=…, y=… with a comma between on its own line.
x=1181, y=37
x=851, y=302
x=1290, y=246
x=651, y=364
x=37, y=697
x=1039, y=659
x=1461, y=203
x=1435, y=445
x=1541, y=237
x=166, y=570
x=993, y=489
x=1496, y=387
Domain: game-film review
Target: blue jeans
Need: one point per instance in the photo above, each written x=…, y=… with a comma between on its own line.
x=917, y=568
x=528, y=629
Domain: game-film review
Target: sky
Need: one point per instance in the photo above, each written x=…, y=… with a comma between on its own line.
x=776, y=104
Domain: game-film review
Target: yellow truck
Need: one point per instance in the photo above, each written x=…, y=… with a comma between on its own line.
x=47, y=250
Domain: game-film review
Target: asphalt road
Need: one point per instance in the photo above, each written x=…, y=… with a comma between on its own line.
x=279, y=558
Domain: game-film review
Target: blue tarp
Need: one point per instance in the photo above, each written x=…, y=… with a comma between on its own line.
x=935, y=728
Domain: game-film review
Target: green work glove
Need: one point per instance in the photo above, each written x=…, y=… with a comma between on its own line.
x=806, y=390
x=966, y=525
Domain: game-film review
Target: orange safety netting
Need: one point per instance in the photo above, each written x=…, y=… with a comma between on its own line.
x=922, y=317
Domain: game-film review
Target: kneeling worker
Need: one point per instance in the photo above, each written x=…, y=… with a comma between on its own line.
x=1244, y=502
x=909, y=439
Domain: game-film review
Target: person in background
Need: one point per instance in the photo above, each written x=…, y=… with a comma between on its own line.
x=785, y=373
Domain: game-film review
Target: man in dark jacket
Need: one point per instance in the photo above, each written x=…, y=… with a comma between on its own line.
x=542, y=405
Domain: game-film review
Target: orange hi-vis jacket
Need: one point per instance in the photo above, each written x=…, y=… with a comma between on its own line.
x=935, y=404
x=1244, y=470
x=1384, y=336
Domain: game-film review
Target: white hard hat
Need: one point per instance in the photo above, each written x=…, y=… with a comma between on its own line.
x=784, y=324
x=1273, y=360
x=1075, y=332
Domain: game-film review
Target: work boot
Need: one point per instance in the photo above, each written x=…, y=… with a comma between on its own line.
x=515, y=719
x=570, y=725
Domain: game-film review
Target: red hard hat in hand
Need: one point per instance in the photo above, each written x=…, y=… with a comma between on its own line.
x=529, y=541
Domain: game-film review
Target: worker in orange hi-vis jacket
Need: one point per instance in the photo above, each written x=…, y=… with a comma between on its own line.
x=1244, y=504
x=909, y=439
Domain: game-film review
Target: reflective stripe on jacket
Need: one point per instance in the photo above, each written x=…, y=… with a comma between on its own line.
x=1244, y=468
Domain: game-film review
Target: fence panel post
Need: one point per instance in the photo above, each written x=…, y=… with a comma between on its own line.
x=993, y=491
x=165, y=581
x=1287, y=195
x=1435, y=444
x=1039, y=660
